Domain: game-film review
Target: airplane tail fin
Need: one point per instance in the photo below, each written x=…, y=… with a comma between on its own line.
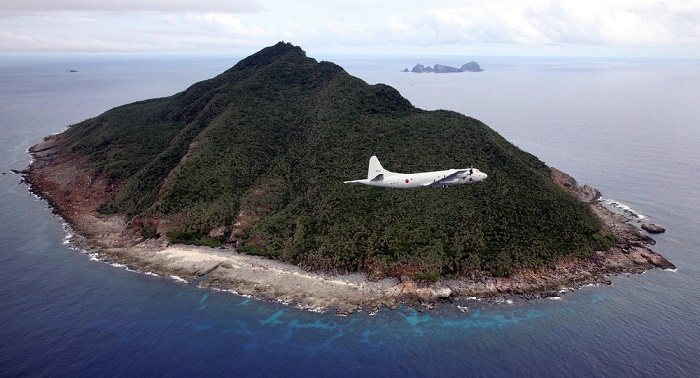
x=375, y=168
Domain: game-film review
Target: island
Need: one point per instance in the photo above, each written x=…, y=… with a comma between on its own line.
x=439, y=68
x=236, y=184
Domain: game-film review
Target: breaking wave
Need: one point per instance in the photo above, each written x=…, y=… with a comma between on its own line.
x=177, y=278
x=622, y=209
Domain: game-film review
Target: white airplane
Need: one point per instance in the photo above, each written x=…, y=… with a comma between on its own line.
x=378, y=176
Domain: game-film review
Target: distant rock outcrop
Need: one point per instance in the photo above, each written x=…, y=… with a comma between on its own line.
x=418, y=68
x=471, y=67
x=443, y=69
x=439, y=68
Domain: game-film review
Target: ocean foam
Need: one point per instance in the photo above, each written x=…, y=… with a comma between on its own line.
x=234, y=292
x=285, y=302
x=179, y=279
x=622, y=209
x=122, y=266
x=501, y=300
x=310, y=308
x=69, y=233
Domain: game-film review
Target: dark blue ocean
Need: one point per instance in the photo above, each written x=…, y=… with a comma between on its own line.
x=631, y=128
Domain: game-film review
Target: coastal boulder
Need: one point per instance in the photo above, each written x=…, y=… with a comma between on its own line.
x=653, y=228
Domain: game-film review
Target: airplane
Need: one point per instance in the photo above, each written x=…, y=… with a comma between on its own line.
x=378, y=176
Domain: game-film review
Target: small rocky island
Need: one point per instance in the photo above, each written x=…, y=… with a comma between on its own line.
x=236, y=183
x=439, y=68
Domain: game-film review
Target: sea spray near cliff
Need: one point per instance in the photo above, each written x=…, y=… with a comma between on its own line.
x=63, y=314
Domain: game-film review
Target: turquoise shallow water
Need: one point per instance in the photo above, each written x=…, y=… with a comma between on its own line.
x=629, y=128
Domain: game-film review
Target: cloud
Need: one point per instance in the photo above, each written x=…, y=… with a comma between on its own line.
x=226, y=23
x=147, y=31
x=235, y=6
x=335, y=25
x=593, y=22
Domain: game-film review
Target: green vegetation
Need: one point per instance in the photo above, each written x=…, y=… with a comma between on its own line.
x=263, y=150
x=603, y=243
x=193, y=238
x=432, y=276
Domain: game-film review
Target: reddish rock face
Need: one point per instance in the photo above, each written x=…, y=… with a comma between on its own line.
x=76, y=193
x=584, y=193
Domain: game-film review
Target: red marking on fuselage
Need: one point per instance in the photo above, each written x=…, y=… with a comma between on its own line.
x=406, y=181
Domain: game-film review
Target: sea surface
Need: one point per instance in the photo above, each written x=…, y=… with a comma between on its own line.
x=629, y=127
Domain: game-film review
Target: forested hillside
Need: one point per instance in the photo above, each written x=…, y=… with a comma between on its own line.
x=256, y=157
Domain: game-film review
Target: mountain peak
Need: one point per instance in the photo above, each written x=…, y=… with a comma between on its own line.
x=268, y=55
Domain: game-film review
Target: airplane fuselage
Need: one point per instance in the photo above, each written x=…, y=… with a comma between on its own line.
x=426, y=179
x=378, y=176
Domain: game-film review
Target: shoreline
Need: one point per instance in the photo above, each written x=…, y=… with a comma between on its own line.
x=75, y=195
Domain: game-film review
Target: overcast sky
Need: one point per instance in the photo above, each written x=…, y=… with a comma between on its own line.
x=645, y=28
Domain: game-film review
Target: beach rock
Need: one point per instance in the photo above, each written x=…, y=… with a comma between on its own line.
x=443, y=292
x=653, y=228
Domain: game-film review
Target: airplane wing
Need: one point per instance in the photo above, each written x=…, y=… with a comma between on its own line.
x=441, y=182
